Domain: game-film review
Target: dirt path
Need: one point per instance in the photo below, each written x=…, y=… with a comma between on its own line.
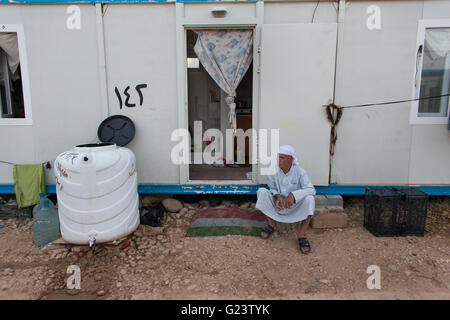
x=171, y=266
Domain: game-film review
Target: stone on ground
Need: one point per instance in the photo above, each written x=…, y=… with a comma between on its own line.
x=151, y=231
x=204, y=203
x=172, y=205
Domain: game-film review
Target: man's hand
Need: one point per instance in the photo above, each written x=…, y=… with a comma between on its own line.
x=289, y=201
x=278, y=201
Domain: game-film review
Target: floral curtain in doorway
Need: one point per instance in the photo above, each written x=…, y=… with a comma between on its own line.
x=226, y=56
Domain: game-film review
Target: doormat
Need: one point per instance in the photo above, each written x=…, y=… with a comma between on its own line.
x=224, y=221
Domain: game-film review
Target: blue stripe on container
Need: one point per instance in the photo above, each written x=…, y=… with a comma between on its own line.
x=433, y=190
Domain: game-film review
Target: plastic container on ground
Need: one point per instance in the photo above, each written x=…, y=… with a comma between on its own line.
x=45, y=224
x=96, y=186
x=40, y=203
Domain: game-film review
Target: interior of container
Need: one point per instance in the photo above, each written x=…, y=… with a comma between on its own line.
x=206, y=104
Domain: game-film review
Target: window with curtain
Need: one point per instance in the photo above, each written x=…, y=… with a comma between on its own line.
x=11, y=93
x=435, y=73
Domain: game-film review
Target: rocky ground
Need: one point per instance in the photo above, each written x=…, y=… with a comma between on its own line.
x=161, y=263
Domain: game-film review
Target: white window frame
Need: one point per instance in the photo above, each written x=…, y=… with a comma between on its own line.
x=417, y=80
x=18, y=28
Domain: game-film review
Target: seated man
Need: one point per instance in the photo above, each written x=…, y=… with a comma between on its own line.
x=290, y=198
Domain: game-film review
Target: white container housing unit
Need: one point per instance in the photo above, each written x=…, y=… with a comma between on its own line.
x=67, y=65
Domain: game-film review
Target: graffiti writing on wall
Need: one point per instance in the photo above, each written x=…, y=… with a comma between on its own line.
x=127, y=102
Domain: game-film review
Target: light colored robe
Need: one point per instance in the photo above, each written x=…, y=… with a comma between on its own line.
x=295, y=181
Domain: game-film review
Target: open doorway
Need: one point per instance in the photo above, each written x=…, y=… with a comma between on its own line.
x=208, y=109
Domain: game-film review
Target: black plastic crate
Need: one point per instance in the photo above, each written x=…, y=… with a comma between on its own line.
x=380, y=211
x=395, y=212
x=412, y=211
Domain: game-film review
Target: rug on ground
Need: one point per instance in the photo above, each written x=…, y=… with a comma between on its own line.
x=223, y=221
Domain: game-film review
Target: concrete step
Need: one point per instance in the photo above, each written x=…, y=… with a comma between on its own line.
x=327, y=200
x=329, y=212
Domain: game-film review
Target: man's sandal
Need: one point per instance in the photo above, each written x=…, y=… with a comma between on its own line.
x=304, y=243
x=268, y=230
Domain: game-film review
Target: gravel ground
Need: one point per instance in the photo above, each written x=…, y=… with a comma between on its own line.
x=171, y=266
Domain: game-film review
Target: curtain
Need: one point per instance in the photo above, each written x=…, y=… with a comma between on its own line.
x=8, y=42
x=437, y=42
x=435, y=72
x=226, y=56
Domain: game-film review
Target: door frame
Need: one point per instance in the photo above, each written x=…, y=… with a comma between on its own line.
x=182, y=25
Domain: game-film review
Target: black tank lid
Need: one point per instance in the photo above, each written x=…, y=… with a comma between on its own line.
x=116, y=129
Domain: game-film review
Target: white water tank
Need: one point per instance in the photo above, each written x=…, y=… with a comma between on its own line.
x=96, y=186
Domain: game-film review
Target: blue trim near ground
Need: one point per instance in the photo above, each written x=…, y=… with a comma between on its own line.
x=437, y=190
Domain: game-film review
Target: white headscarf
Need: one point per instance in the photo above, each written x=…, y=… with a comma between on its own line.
x=289, y=150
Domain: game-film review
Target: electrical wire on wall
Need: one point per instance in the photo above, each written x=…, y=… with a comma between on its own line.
x=47, y=164
x=314, y=13
x=335, y=112
x=335, y=7
x=104, y=9
x=392, y=102
x=317, y=4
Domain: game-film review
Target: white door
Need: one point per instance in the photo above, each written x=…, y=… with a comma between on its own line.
x=297, y=78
